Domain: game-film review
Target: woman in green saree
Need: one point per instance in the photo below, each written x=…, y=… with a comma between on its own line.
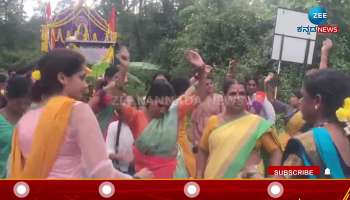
x=155, y=126
x=327, y=145
x=233, y=140
x=18, y=100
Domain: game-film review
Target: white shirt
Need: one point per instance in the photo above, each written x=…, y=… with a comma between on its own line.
x=126, y=141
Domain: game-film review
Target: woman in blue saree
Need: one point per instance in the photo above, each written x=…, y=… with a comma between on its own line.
x=327, y=144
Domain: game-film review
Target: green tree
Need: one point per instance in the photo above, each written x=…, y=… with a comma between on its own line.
x=19, y=39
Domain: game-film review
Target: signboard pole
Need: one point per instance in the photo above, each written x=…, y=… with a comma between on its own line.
x=279, y=64
x=291, y=38
x=306, y=58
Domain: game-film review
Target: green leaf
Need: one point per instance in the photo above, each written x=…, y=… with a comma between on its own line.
x=99, y=69
x=143, y=66
x=134, y=78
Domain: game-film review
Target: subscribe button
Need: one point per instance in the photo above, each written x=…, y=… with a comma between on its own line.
x=294, y=170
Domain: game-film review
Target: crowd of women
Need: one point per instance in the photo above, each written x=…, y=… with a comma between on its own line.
x=182, y=128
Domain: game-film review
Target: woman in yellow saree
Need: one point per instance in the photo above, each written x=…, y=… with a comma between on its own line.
x=233, y=140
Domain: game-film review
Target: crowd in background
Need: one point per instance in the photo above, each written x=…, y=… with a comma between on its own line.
x=182, y=128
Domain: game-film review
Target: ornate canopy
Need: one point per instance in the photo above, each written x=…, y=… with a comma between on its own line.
x=79, y=26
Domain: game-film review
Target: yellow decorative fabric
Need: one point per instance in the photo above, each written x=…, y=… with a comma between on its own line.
x=109, y=56
x=44, y=38
x=94, y=37
x=48, y=138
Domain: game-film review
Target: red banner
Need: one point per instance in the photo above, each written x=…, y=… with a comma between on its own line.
x=112, y=19
x=48, y=12
x=293, y=170
x=176, y=189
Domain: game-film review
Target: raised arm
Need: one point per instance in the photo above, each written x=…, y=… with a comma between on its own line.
x=124, y=58
x=203, y=70
x=268, y=87
x=231, y=73
x=196, y=92
x=326, y=46
x=114, y=86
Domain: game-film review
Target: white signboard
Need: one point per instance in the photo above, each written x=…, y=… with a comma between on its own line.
x=294, y=45
x=288, y=21
x=293, y=49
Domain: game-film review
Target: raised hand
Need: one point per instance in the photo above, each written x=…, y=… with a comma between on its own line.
x=233, y=63
x=208, y=69
x=269, y=77
x=124, y=57
x=195, y=59
x=327, y=44
x=231, y=73
x=110, y=85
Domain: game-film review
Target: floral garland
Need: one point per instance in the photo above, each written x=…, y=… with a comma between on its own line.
x=36, y=75
x=343, y=115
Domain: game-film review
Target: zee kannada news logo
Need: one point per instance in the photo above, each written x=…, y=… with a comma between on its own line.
x=318, y=15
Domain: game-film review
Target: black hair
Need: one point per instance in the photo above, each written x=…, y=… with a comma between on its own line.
x=18, y=87
x=298, y=94
x=65, y=61
x=229, y=83
x=180, y=85
x=27, y=68
x=252, y=77
x=167, y=76
x=332, y=86
x=111, y=71
x=159, y=89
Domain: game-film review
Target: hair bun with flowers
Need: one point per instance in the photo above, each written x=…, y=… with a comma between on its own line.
x=343, y=115
x=36, y=75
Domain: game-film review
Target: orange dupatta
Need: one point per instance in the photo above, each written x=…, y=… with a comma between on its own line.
x=48, y=138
